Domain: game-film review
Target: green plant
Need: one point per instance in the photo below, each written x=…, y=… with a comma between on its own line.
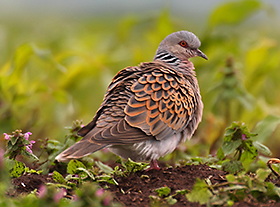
x=19, y=143
x=239, y=146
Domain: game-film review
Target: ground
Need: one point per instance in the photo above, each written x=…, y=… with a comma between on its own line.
x=136, y=189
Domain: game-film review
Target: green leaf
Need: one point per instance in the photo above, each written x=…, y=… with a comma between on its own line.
x=58, y=177
x=277, y=191
x=262, y=174
x=54, y=144
x=249, y=153
x=106, y=178
x=170, y=200
x=87, y=172
x=232, y=166
x=73, y=165
x=58, y=185
x=266, y=127
x=163, y=191
x=30, y=171
x=9, y=163
x=31, y=155
x=21, y=58
x=199, y=193
x=182, y=192
x=262, y=148
x=18, y=169
x=104, y=168
x=14, y=139
x=230, y=178
x=229, y=147
x=272, y=189
x=235, y=187
x=234, y=12
x=132, y=167
x=220, y=154
x=232, y=129
x=196, y=159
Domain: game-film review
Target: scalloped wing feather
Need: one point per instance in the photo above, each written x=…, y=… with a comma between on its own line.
x=145, y=102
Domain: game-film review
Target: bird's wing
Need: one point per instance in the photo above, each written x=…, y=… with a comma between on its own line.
x=164, y=102
x=108, y=125
x=149, y=101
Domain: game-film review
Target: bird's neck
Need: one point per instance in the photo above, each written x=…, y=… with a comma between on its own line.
x=168, y=59
x=183, y=66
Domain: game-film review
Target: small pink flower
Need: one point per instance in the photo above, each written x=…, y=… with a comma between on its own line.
x=99, y=192
x=26, y=135
x=7, y=137
x=60, y=194
x=31, y=144
x=244, y=137
x=42, y=191
x=82, y=125
x=28, y=149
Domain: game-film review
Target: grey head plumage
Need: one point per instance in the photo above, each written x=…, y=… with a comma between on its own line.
x=181, y=45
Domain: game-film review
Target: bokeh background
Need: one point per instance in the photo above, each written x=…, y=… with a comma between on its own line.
x=58, y=57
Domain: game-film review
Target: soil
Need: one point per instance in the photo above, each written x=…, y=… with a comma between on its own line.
x=28, y=182
x=136, y=189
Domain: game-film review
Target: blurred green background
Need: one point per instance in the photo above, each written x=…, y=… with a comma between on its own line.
x=57, y=59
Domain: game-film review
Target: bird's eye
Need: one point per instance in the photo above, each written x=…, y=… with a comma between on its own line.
x=183, y=43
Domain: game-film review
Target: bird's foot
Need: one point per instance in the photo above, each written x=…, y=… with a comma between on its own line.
x=153, y=166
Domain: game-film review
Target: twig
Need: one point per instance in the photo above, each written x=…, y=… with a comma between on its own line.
x=273, y=161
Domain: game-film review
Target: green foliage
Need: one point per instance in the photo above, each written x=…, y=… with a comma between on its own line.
x=58, y=177
x=4, y=173
x=200, y=193
x=266, y=127
x=89, y=194
x=232, y=166
x=76, y=126
x=104, y=168
x=237, y=188
x=239, y=144
x=231, y=93
x=163, y=197
x=77, y=171
x=163, y=191
x=131, y=167
x=17, y=170
x=234, y=12
x=73, y=166
x=53, y=147
x=127, y=168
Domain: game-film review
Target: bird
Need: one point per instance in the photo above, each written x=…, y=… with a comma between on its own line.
x=149, y=109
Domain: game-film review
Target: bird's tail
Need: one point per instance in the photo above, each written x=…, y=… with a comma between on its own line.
x=78, y=150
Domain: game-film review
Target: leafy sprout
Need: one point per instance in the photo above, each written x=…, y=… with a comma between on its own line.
x=239, y=145
x=19, y=144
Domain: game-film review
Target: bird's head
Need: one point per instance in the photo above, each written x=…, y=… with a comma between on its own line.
x=181, y=44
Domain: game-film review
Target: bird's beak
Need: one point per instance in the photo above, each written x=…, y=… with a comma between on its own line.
x=201, y=54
